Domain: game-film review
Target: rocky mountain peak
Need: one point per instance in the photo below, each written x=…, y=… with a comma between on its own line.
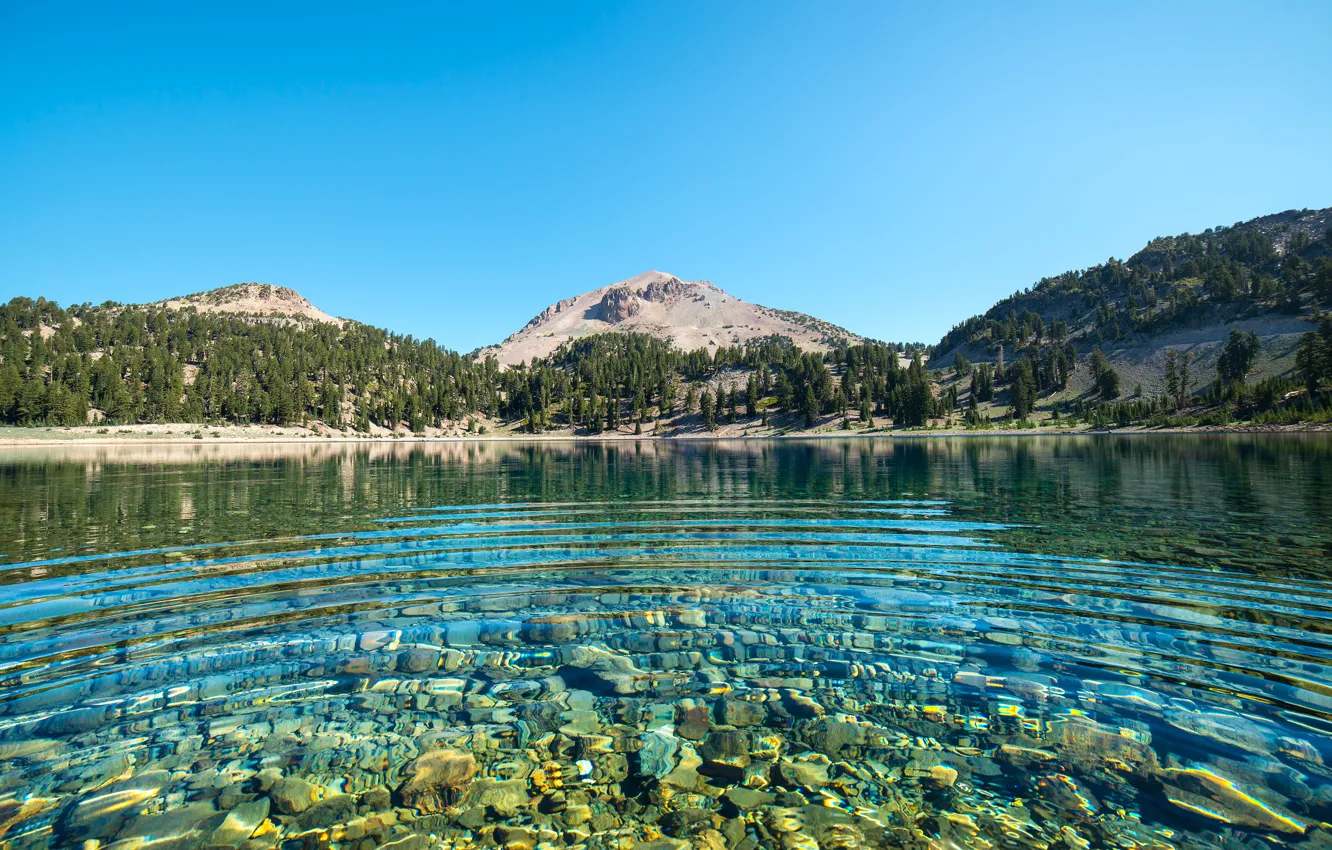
x=252, y=299
x=692, y=314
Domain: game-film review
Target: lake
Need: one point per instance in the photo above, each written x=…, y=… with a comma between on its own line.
x=1056, y=642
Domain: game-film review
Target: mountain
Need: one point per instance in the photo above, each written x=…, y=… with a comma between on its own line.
x=260, y=356
x=655, y=353
x=1185, y=293
x=259, y=300
x=691, y=314
x=245, y=354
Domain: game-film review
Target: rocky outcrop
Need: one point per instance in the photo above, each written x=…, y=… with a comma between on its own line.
x=547, y=314
x=260, y=300
x=616, y=306
x=663, y=290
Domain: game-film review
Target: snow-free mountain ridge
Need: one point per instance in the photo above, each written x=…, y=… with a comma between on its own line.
x=260, y=300
x=691, y=314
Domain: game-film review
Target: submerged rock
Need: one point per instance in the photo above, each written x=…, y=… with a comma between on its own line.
x=1203, y=791
x=337, y=808
x=694, y=722
x=438, y=781
x=1068, y=795
x=601, y=671
x=725, y=753
x=1086, y=742
x=832, y=735
x=293, y=795
x=239, y=825
x=686, y=773
x=14, y=812
x=376, y=799
x=739, y=712
x=504, y=796
x=809, y=770
x=943, y=775
x=1233, y=729
x=747, y=799
x=656, y=757
x=177, y=828
x=101, y=812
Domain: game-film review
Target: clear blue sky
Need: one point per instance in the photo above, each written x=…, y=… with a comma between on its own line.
x=447, y=170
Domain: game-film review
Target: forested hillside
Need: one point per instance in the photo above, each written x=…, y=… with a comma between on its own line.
x=1277, y=264
x=602, y=381
x=154, y=364
x=1223, y=323
x=117, y=364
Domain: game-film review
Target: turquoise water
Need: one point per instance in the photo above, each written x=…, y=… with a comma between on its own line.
x=1056, y=642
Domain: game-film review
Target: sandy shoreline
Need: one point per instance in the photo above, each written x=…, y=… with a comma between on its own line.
x=15, y=437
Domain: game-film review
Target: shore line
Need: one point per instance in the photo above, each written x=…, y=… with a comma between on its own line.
x=44, y=438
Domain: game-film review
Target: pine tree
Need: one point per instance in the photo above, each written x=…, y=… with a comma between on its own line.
x=1172, y=374
x=1024, y=390
x=1183, y=385
x=1237, y=357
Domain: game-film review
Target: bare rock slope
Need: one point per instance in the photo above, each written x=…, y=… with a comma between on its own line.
x=260, y=300
x=692, y=314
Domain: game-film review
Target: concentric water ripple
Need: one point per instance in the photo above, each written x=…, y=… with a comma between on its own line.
x=728, y=667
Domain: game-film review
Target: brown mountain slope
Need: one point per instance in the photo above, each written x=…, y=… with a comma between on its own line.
x=692, y=314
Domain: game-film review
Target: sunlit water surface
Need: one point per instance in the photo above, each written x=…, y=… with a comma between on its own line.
x=1031, y=642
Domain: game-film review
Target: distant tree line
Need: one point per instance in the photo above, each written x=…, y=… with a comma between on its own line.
x=604, y=381
x=136, y=364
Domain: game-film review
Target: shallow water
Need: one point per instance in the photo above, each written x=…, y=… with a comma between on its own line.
x=975, y=642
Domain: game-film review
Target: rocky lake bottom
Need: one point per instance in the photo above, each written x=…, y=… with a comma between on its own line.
x=1072, y=642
